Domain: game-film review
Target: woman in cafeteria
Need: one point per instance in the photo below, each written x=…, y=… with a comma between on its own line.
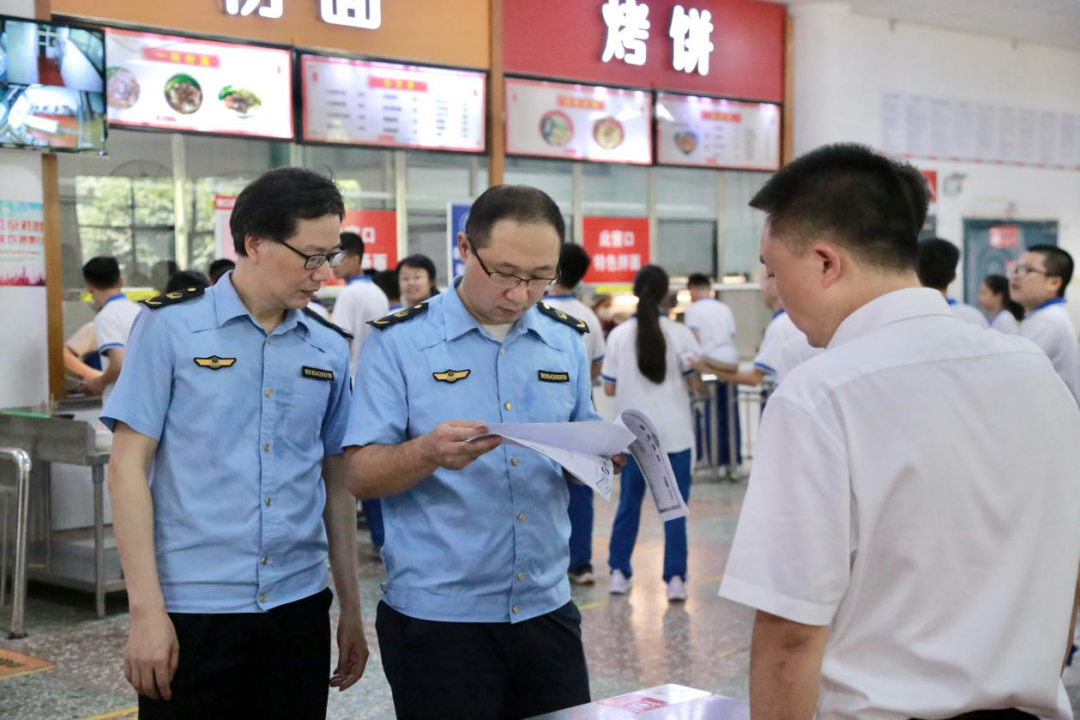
x=647, y=367
x=1005, y=313
x=416, y=279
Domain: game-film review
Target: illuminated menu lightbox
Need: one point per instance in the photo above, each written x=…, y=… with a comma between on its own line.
x=177, y=83
x=578, y=122
x=363, y=102
x=712, y=132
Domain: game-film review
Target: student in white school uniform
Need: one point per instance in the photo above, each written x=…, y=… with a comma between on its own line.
x=113, y=322
x=1005, y=313
x=649, y=367
x=360, y=301
x=1038, y=283
x=710, y=320
x=573, y=264
x=898, y=568
x=777, y=334
x=936, y=268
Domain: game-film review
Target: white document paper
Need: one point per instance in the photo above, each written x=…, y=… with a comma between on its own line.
x=655, y=465
x=584, y=450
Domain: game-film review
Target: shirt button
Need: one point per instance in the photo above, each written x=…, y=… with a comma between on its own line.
x=262, y=598
x=521, y=517
x=508, y=406
x=269, y=340
x=521, y=576
x=514, y=609
x=266, y=447
x=269, y=392
x=265, y=560
x=502, y=351
x=515, y=462
x=269, y=501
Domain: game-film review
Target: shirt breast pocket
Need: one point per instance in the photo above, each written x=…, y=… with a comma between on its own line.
x=551, y=401
x=304, y=416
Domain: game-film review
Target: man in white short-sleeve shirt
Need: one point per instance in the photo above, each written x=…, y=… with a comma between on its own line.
x=360, y=301
x=113, y=322
x=574, y=263
x=711, y=321
x=1038, y=283
x=898, y=568
x=936, y=268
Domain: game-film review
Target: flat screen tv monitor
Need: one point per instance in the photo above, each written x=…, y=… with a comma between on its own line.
x=52, y=86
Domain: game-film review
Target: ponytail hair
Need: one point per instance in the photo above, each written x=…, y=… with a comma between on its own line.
x=999, y=285
x=651, y=287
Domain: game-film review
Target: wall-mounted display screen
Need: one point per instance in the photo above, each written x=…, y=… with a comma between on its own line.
x=177, y=83
x=578, y=122
x=362, y=102
x=52, y=81
x=712, y=132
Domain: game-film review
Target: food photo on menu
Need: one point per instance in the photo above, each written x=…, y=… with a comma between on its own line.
x=180, y=83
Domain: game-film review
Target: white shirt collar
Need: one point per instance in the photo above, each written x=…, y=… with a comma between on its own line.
x=888, y=308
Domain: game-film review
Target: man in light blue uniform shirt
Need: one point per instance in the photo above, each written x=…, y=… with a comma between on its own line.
x=476, y=619
x=226, y=479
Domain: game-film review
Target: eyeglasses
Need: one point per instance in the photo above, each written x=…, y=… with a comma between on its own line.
x=1025, y=270
x=506, y=281
x=314, y=262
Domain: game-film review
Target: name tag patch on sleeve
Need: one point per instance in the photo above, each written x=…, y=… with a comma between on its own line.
x=549, y=376
x=317, y=374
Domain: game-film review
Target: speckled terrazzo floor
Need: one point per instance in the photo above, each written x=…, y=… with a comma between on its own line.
x=632, y=642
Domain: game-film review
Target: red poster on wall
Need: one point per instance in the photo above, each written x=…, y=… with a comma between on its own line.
x=619, y=247
x=378, y=230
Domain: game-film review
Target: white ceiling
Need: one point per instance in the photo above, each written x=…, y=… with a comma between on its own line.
x=1046, y=22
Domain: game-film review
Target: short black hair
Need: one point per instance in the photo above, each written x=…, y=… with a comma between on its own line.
x=937, y=263
x=352, y=244
x=521, y=203
x=271, y=206
x=187, y=279
x=102, y=273
x=849, y=194
x=699, y=280
x=387, y=281
x=918, y=191
x=1058, y=262
x=421, y=262
x=219, y=267
x=573, y=265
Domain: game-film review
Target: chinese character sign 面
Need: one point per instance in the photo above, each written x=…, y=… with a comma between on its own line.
x=618, y=248
x=22, y=243
x=378, y=230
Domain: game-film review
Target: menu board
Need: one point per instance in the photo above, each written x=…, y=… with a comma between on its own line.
x=581, y=122
x=361, y=102
x=957, y=129
x=710, y=132
x=177, y=83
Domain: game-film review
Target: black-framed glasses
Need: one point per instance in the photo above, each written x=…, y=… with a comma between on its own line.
x=1025, y=270
x=506, y=281
x=314, y=262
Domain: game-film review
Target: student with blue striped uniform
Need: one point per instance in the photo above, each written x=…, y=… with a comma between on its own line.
x=649, y=367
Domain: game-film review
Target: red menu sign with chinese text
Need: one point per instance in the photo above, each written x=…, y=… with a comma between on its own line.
x=378, y=230
x=619, y=247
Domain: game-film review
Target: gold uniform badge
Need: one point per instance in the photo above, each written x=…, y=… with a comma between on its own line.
x=214, y=362
x=451, y=376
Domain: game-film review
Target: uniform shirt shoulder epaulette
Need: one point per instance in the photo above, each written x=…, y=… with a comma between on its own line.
x=562, y=317
x=178, y=296
x=399, y=317
x=323, y=321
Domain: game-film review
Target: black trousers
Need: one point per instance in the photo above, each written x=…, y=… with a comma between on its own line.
x=483, y=671
x=271, y=665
